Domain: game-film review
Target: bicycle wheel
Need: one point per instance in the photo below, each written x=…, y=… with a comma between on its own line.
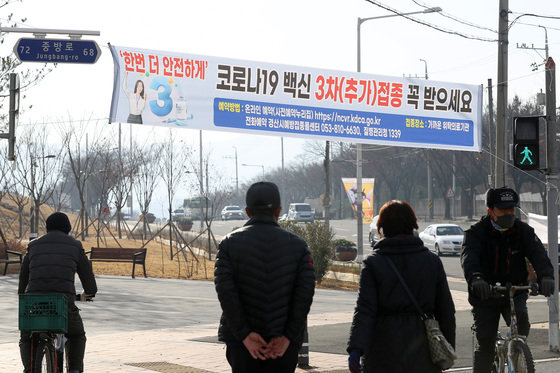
x=496, y=363
x=522, y=359
x=43, y=359
x=62, y=360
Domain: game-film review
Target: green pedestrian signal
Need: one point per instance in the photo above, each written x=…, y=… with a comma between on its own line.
x=526, y=142
x=526, y=156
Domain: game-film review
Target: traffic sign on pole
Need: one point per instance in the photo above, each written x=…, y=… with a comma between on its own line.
x=57, y=50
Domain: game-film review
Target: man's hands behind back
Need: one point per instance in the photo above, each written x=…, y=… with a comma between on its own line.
x=259, y=349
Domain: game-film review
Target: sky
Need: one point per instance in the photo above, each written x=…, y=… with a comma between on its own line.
x=311, y=33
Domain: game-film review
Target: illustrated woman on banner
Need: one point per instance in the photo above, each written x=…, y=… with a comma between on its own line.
x=136, y=100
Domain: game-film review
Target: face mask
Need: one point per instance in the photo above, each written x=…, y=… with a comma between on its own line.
x=505, y=221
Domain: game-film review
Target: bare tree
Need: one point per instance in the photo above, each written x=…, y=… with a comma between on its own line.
x=38, y=168
x=172, y=161
x=124, y=169
x=82, y=160
x=146, y=179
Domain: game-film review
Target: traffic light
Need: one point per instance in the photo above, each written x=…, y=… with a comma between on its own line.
x=526, y=142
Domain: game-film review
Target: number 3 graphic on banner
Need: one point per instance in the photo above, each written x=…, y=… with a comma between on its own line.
x=163, y=96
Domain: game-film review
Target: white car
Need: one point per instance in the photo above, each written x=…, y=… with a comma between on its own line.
x=373, y=235
x=301, y=212
x=443, y=238
x=233, y=212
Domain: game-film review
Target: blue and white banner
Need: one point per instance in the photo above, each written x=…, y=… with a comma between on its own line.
x=211, y=93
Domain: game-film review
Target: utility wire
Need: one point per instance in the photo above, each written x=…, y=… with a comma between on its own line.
x=447, y=31
x=530, y=15
x=512, y=165
x=532, y=24
x=447, y=15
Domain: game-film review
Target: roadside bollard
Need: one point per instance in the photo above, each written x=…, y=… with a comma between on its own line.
x=303, y=355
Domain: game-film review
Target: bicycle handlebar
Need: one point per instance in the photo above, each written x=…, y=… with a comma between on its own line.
x=84, y=297
x=512, y=287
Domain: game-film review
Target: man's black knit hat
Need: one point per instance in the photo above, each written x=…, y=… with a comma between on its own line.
x=263, y=195
x=58, y=221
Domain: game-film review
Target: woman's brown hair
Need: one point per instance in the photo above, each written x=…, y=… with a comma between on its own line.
x=396, y=217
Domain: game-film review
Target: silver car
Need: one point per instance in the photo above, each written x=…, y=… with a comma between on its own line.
x=443, y=238
x=233, y=212
x=301, y=212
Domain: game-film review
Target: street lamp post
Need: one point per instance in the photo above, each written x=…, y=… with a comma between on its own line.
x=255, y=165
x=236, y=171
x=360, y=242
x=428, y=164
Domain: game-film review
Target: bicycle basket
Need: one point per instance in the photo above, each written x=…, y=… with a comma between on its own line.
x=43, y=312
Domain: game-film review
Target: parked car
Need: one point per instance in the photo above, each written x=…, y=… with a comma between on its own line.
x=301, y=212
x=150, y=218
x=233, y=213
x=373, y=234
x=443, y=238
x=177, y=214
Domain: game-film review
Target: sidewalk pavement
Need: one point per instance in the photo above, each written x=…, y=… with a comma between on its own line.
x=189, y=349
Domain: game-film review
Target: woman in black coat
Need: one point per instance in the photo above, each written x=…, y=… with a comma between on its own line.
x=387, y=330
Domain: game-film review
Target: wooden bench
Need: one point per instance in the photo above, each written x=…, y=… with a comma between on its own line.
x=119, y=255
x=6, y=260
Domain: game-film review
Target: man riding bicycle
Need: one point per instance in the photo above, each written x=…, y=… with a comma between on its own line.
x=50, y=266
x=495, y=250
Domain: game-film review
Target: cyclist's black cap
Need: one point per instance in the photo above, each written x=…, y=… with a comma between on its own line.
x=502, y=198
x=263, y=195
x=58, y=221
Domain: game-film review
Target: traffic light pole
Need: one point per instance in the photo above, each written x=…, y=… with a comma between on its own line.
x=501, y=107
x=551, y=200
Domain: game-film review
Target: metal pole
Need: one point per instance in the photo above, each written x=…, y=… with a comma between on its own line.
x=502, y=94
x=303, y=354
x=282, y=185
x=552, y=197
x=50, y=31
x=360, y=227
x=429, y=164
x=86, y=212
x=425, y=68
x=236, y=173
x=545, y=42
x=33, y=230
x=131, y=210
x=490, y=126
x=430, y=192
x=453, y=212
x=201, y=187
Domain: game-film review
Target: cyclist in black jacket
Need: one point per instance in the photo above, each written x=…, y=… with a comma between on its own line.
x=495, y=250
x=50, y=266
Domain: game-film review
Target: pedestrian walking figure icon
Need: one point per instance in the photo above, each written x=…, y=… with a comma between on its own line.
x=526, y=156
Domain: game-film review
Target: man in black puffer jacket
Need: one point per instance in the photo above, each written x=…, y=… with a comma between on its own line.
x=495, y=250
x=265, y=282
x=50, y=266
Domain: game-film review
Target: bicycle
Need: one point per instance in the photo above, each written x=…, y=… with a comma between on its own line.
x=46, y=317
x=512, y=350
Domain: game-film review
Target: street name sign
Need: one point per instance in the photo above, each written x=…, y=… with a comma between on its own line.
x=57, y=50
